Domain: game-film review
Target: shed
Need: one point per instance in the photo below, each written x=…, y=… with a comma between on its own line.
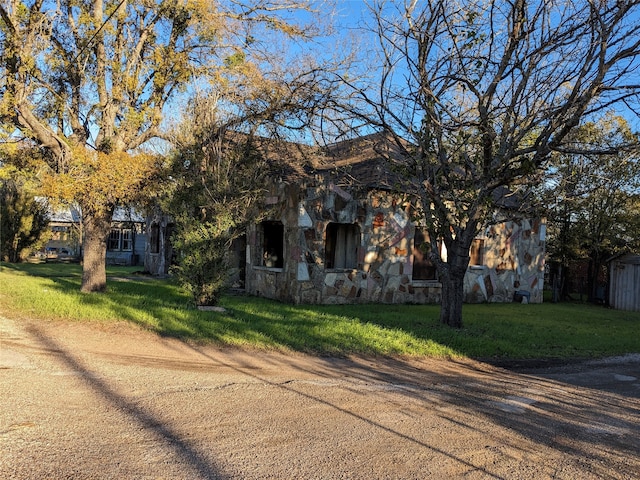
x=624, y=282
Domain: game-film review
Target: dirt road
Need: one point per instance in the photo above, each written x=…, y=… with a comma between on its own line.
x=87, y=402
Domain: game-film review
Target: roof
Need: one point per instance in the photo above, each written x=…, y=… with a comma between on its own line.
x=363, y=161
x=64, y=215
x=127, y=214
x=625, y=257
x=368, y=162
x=72, y=214
x=287, y=161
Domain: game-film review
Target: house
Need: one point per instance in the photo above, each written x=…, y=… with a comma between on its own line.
x=128, y=238
x=624, y=282
x=338, y=232
x=125, y=244
x=65, y=240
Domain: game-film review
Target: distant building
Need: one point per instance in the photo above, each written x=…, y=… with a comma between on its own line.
x=125, y=244
x=128, y=238
x=65, y=241
x=624, y=282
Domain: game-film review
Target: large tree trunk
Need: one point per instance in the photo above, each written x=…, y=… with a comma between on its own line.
x=452, y=296
x=96, y=232
x=452, y=278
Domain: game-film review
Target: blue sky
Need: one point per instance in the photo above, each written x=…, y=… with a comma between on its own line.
x=352, y=14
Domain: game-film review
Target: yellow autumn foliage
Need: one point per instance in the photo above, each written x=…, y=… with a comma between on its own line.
x=96, y=179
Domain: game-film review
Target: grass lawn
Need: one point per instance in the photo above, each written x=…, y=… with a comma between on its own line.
x=496, y=331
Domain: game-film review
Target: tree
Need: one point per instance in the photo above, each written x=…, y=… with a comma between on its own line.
x=218, y=183
x=478, y=95
x=24, y=220
x=591, y=198
x=225, y=147
x=90, y=82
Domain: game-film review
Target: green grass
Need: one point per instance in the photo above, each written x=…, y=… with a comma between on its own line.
x=498, y=331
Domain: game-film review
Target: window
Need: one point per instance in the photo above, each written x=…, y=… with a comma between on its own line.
x=126, y=238
x=120, y=239
x=476, y=253
x=113, y=243
x=423, y=267
x=271, y=241
x=59, y=233
x=341, y=245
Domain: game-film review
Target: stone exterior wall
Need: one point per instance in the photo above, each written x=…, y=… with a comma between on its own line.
x=383, y=261
x=514, y=255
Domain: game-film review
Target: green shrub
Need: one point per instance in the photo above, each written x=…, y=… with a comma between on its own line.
x=203, y=266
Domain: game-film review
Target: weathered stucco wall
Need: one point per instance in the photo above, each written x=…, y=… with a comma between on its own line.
x=383, y=261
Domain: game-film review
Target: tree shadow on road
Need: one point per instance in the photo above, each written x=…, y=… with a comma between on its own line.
x=521, y=419
x=186, y=452
x=594, y=430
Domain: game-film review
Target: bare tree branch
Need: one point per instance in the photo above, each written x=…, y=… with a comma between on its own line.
x=485, y=92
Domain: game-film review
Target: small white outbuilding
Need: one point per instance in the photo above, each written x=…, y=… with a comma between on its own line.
x=624, y=282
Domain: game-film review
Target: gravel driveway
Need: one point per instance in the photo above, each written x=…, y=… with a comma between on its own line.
x=102, y=402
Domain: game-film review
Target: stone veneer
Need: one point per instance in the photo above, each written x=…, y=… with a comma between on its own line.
x=513, y=253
